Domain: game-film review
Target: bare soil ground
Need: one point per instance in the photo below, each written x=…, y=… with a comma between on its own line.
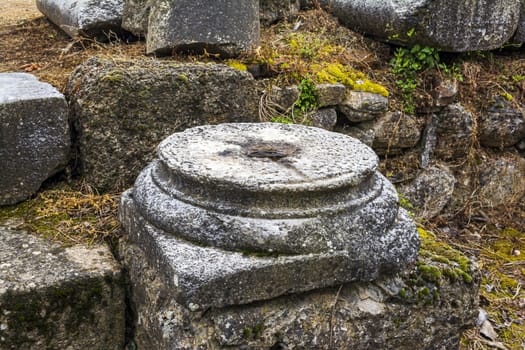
x=30, y=43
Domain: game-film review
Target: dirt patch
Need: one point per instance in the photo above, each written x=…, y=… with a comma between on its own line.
x=12, y=11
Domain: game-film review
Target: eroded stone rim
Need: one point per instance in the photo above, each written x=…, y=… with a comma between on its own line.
x=267, y=157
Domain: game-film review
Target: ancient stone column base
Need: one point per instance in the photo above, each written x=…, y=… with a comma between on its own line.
x=393, y=312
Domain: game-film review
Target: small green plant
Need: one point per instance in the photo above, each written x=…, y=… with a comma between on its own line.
x=307, y=102
x=308, y=97
x=406, y=65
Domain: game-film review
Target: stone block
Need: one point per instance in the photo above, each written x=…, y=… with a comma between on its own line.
x=455, y=27
x=501, y=125
x=330, y=94
x=224, y=27
x=272, y=11
x=399, y=311
x=54, y=297
x=121, y=110
x=229, y=210
x=452, y=132
x=394, y=132
x=362, y=106
x=91, y=18
x=34, y=135
x=324, y=118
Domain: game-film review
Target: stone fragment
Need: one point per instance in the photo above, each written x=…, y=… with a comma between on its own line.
x=224, y=27
x=272, y=11
x=283, y=99
x=135, y=15
x=123, y=109
x=91, y=18
x=502, y=180
x=59, y=298
x=453, y=133
x=455, y=27
x=501, y=125
x=364, y=132
x=445, y=93
x=390, y=313
x=330, y=94
x=519, y=36
x=430, y=191
x=229, y=210
x=324, y=118
x=361, y=106
x=34, y=135
x=394, y=132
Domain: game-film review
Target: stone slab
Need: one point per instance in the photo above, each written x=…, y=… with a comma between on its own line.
x=224, y=27
x=122, y=109
x=456, y=27
x=34, y=135
x=203, y=276
x=399, y=311
x=91, y=18
x=54, y=297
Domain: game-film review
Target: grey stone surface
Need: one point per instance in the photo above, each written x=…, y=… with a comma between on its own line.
x=430, y=191
x=362, y=106
x=330, y=94
x=225, y=27
x=457, y=27
x=260, y=212
x=90, y=18
x=135, y=16
x=123, y=109
x=502, y=180
x=445, y=93
x=272, y=11
x=453, y=133
x=324, y=118
x=54, y=297
x=519, y=36
x=502, y=125
x=394, y=132
x=283, y=99
x=393, y=312
x=34, y=135
x=364, y=132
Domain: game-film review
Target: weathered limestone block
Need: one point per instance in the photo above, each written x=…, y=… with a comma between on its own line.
x=456, y=27
x=420, y=309
x=394, y=132
x=502, y=180
x=430, y=191
x=136, y=13
x=445, y=93
x=225, y=27
x=34, y=135
x=58, y=298
x=364, y=132
x=324, y=118
x=452, y=133
x=519, y=36
x=272, y=11
x=123, y=109
x=92, y=18
x=135, y=16
x=283, y=99
x=330, y=94
x=501, y=125
x=362, y=106
x=229, y=210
